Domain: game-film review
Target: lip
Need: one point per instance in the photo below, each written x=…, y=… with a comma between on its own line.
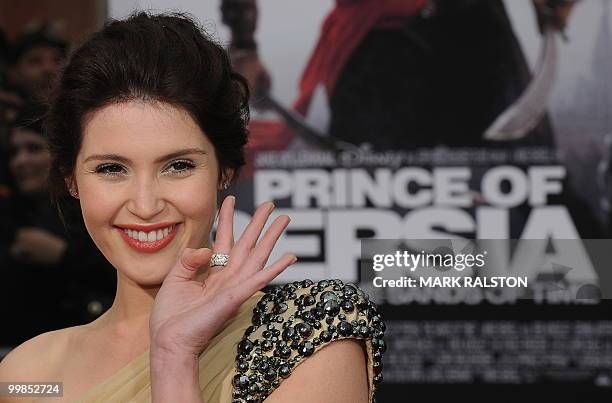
x=147, y=228
x=148, y=247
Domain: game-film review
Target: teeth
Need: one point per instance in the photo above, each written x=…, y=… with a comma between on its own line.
x=151, y=236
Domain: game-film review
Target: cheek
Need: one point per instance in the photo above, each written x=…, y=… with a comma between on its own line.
x=198, y=204
x=98, y=207
x=42, y=162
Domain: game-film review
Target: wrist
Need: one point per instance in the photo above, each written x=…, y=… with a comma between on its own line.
x=246, y=43
x=174, y=377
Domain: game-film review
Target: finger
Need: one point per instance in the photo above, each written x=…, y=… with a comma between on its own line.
x=189, y=263
x=263, y=277
x=224, y=240
x=250, y=235
x=261, y=252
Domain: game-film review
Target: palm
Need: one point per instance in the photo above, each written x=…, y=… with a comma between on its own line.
x=189, y=310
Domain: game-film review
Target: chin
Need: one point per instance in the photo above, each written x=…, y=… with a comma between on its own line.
x=149, y=277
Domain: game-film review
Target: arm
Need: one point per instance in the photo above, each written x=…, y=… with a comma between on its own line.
x=241, y=18
x=339, y=372
x=189, y=310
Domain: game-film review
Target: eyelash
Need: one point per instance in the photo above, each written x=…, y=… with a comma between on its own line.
x=102, y=169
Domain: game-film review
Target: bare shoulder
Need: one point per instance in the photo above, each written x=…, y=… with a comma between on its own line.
x=37, y=358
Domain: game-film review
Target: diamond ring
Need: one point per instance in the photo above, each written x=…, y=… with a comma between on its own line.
x=219, y=259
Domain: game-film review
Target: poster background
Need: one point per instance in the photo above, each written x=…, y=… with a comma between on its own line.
x=581, y=118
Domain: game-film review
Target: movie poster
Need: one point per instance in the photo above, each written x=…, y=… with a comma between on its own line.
x=392, y=132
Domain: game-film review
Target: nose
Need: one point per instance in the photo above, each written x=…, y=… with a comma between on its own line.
x=20, y=158
x=146, y=199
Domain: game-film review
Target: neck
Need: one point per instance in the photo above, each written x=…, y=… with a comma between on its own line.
x=128, y=317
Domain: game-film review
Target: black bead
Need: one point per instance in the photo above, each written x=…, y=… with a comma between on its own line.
x=329, y=295
x=349, y=290
x=280, y=308
x=284, y=352
x=245, y=346
x=270, y=375
x=309, y=300
x=306, y=348
x=241, y=381
x=378, y=367
x=318, y=313
x=331, y=308
x=289, y=333
x=308, y=316
x=345, y=328
x=284, y=371
x=266, y=345
x=347, y=306
x=304, y=329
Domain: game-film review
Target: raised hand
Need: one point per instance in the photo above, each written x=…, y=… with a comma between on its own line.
x=189, y=311
x=555, y=12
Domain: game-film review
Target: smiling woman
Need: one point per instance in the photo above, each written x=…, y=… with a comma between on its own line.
x=147, y=125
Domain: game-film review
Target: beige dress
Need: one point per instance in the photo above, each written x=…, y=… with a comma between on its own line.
x=269, y=336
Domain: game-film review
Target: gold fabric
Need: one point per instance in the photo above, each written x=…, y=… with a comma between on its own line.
x=217, y=364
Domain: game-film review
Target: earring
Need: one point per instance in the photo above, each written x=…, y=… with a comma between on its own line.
x=74, y=193
x=225, y=185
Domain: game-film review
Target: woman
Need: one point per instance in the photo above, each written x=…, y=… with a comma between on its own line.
x=147, y=125
x=38, y=256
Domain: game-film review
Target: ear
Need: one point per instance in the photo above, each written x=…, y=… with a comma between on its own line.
x=72, y=186
x=226, y=178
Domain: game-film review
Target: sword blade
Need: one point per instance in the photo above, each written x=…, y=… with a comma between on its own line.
x=524, y=114
x=298, y=125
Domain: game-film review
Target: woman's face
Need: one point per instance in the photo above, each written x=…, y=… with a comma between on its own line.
x=30, y=161
x=147, y=178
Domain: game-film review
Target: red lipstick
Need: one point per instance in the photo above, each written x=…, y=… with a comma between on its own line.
x=148, y=247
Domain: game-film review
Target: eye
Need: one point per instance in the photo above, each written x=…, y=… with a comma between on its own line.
x=109, y=169
x=181, y=167
x=35, y=148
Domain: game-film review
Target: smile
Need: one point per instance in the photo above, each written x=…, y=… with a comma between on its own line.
x=148, y=241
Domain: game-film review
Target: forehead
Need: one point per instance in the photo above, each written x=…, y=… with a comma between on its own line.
x=139, y=129
x=41, y=51
x=24, y=136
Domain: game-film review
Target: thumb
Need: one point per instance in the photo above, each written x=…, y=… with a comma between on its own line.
x=190, y=261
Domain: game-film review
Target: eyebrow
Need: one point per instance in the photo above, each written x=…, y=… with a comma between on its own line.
x=119, y=158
